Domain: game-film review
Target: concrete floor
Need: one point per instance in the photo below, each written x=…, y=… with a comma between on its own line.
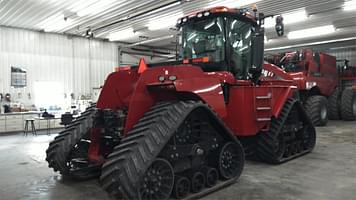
x=329, y=172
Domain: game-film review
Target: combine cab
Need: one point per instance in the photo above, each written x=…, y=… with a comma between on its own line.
x=175, y=129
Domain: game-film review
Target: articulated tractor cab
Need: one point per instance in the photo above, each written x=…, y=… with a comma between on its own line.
x=181, y=129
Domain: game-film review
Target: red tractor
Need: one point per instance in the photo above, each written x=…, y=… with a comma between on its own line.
x=174, y=129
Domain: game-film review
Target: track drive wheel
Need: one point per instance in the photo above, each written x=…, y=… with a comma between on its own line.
x=291, y=135
x=67, y=153
x=317, y=109
x=172, y=141
x=348, y=104
x=334, y=105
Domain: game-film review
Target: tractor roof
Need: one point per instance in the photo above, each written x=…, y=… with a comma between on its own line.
x=221, y=10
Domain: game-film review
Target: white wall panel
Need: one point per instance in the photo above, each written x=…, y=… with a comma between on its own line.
x=345, y=53
x=132, y=59
x=77, y=63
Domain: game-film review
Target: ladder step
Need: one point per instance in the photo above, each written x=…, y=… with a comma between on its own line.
x=269, y=96
x=263, y=97
x=263, y=119
x=263, y=108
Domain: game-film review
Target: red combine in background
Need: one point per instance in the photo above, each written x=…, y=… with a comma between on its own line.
x=174, y=129
x=321, y=84
x=343, y=102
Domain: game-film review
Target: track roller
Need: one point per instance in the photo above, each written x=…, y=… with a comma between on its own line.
x=198, y=182
x=181, y=187
x=211, y=176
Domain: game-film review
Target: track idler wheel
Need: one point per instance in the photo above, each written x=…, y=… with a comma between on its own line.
x=181, y=187
x=198, y=182
x=211, y=176
x=158, y=180
x=230, y=159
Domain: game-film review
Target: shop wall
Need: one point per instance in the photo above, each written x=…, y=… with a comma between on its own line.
x=78, y=64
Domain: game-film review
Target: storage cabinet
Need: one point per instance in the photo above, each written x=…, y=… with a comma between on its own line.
x=2, y=124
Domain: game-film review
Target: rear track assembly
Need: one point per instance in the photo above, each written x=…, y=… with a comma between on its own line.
x=177, y=150
x=291, y=135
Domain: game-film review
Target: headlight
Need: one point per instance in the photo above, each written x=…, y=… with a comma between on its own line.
x=172, y=78
x=310, y=85
x=161, y=78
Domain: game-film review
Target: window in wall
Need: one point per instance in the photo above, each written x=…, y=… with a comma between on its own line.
x=49, y=95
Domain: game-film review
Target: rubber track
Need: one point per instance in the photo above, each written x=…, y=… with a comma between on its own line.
x=59, y=149
x=346, y=104
x=266, y=141
x=313, y=106
x=334, y=105
x=132, y=157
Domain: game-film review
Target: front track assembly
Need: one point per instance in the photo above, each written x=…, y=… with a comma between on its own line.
x=68, y=152
x=177, y=150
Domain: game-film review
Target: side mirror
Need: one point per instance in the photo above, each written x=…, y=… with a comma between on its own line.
x=279, y=26
x=347, y=64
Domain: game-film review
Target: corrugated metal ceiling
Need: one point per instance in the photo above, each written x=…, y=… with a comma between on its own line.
x=109, y=16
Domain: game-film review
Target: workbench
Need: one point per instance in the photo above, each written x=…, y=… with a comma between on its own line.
x=15, y=122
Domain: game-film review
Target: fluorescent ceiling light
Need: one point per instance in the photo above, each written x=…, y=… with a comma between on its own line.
x=151, y=40
x=248, y=35
x=231, y=3
x=350, y=5
x=123, y=34
x=288, y=18
x=311, y=44
x=165, y=22
x=311, y=32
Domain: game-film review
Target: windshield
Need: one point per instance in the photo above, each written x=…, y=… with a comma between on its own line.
x=240, y=44
x=204, y=39
x=291, y=67
x=291, y=62
x=226, y=41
